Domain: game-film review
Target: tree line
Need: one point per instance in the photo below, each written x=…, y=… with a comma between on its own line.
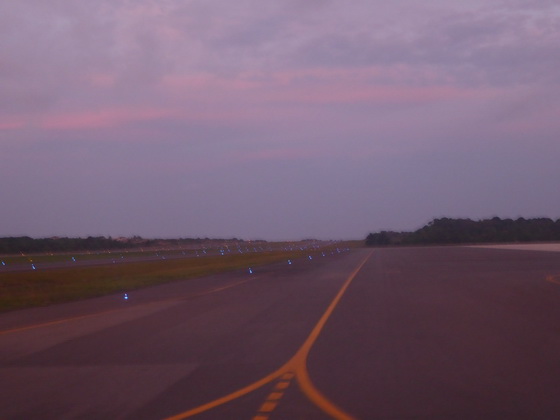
x=25, y=244
x=28, y=245
x=457, y=231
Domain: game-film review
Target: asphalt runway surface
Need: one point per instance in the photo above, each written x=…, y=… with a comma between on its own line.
x=396, y=333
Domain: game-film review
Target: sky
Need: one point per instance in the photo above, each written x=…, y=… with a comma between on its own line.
x=277, y=119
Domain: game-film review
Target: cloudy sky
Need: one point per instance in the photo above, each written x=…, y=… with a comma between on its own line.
x=275, y=119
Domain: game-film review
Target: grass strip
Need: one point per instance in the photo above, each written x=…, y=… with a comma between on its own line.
x=82, y=256
x=45, y=287
x=133, y=253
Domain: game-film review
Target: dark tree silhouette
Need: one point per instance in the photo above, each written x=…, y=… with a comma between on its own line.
x=457, y=231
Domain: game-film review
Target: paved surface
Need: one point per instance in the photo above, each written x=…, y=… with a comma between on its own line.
x=548, y=246
x=423, y=333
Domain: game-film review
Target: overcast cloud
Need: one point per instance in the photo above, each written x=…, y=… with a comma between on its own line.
x=275, y=119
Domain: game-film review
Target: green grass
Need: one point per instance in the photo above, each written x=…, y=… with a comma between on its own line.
x=81, y=256
x=127, y=253
x=44, y=287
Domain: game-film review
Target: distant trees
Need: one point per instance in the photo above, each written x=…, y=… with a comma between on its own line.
x=27, y=245
x=380, y=238
x=455, y=231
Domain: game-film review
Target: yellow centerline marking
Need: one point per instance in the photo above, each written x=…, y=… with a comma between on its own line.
x=227, y=398
x=267, y=407
x=282, y=385
x=163, y=301
x=295, y=367
x=275, y=395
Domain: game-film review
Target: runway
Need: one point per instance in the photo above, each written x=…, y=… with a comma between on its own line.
x=424, y=333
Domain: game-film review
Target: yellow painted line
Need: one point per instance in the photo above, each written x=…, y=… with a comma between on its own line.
x=282, y=385
x=171, y=300
x=295, y=367
x=300, y=359
x=304, y=350
x=267, y=407
x=275, y=396
x=319, y=399
x=227, y=398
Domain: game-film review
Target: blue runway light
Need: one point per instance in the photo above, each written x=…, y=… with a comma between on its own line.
x=290, y=262
x=125, y=297
x=250, y=271
x=73, y=259
x=33, y=267
x=310, y=257
x=3, y=263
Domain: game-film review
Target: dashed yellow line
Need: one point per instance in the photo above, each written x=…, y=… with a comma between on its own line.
x=227, y=398
x=282, y=385
x=296, y=368
x=268, y=406
x=274, y=397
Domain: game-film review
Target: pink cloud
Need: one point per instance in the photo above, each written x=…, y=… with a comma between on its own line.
x=205, y=81
x=253, y=96
x=398, y=84
x=101, y=118
x=102, y=80
x=11, y=124
x=355, y=94
x=200, y=110
x=320, y=86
